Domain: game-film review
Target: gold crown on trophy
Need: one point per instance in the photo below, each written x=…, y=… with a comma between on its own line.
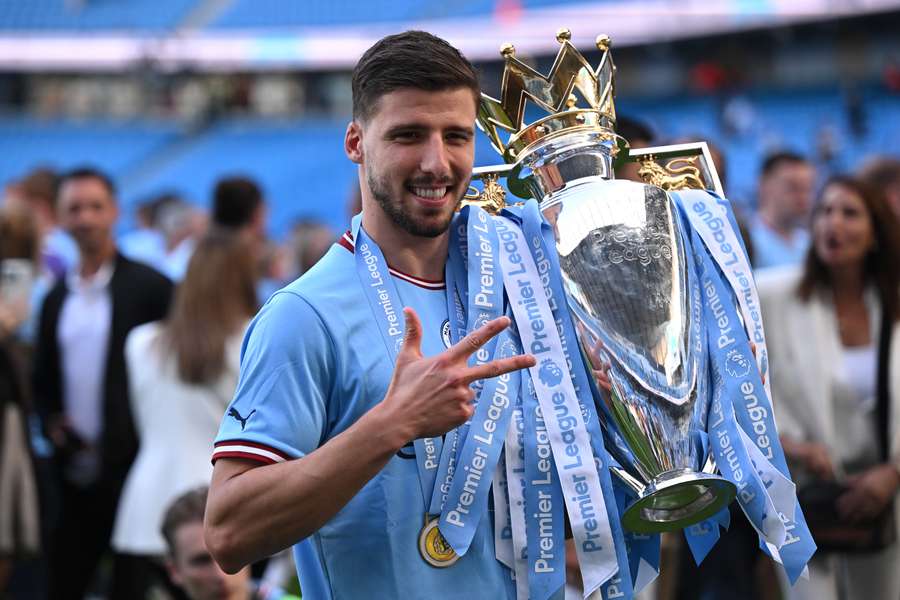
x=555, y=93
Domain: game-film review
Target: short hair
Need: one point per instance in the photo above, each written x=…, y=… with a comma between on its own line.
x=881, y=172
x=190, y=507
x=413, y=59
x=87, y=172
x=634, y=129
x=235, y=202
x=777, y=159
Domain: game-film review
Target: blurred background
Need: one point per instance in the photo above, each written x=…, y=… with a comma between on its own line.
x=233, y=112
x=169, y=95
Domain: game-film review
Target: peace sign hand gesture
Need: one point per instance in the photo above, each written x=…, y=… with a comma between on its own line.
x=429, y=396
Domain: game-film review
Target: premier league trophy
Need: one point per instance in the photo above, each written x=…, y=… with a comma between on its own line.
x=631, y=288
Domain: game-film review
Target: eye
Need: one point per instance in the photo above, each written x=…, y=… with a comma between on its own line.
x=459, y=137
x=405, y=135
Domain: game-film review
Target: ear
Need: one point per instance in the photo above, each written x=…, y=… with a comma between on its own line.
x=353, y=142
x=174, y=573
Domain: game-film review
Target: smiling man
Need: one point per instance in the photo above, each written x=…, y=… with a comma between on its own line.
x=334, y=388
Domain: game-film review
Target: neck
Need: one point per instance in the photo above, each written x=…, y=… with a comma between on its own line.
x=93, y=259
x=848, y=283
x=414, y=255
x=779, y=226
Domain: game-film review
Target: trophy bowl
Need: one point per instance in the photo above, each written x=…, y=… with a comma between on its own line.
x=635, y=301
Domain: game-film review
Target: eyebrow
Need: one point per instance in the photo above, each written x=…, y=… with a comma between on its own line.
x=421, y=127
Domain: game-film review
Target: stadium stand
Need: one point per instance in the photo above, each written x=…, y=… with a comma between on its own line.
x=141, y=15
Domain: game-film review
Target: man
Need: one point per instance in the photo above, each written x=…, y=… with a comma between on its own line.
x=780, y=230
x=317, y=447
x=189, y=563
x=81, y=385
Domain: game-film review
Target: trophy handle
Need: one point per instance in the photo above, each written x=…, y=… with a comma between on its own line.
x=678, y=167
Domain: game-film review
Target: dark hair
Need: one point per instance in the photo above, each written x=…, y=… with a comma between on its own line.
x=634, y=129
x=189, y=507
x=18, y=235
x=216, y=297
x=881, y=172
x=882, y=265
x=235, y=201
x=89, y=173
x=776, y=159
x=413, y=59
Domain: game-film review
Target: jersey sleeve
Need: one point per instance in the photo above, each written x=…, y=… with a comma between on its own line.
x=287, y=364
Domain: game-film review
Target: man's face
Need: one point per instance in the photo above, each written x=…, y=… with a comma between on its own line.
x=194, y=570
x=789, y=188
x=417, y=150
x=88, y=212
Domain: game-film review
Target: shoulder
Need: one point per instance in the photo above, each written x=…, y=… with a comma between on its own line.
x=140, y=273
x=141, y=337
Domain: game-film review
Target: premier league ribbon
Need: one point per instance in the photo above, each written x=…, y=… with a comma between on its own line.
x=741, y=426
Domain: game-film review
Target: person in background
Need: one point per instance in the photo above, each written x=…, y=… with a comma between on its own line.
x=59, y=252
x=832, y=329
x=145, y=243
x=308, y=242
x=238, y=204
x=19, y=508
x=189, y=563
x=178, y=224
x=883, y=173
x=779, y=231
x=183, y=374
x=639, y=135
x=81, y=381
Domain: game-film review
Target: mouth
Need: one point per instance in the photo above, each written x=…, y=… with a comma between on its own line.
x=429, y=195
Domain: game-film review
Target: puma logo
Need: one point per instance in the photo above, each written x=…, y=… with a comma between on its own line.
x=234, y=413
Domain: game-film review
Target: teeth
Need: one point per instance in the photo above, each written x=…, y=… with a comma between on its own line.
x=429, y=192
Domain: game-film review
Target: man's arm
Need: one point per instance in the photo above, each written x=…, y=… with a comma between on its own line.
x=255, y=511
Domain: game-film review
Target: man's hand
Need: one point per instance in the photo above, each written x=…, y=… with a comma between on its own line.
x=869, y=493
x=430, y=396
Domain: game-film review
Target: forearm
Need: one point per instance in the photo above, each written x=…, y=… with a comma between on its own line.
x=260, y=511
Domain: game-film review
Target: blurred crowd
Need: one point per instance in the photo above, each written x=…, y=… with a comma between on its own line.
x=119, y=355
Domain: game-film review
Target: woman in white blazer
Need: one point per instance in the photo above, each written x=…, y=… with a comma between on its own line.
x=182, y=374
x=835, y=375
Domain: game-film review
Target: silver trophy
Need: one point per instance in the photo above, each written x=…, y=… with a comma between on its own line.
x=632, y=292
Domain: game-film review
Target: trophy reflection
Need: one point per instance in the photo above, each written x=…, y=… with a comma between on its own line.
x=631, y=289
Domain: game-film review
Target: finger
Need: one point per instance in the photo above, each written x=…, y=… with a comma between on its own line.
x=498, y=367
x=602, y=379
x=753, y=349
x=463, y=349
x=412, y=336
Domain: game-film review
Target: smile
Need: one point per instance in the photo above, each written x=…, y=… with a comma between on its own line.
x=429, y=193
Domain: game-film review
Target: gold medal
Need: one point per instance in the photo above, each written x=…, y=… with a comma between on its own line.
x=433, y=547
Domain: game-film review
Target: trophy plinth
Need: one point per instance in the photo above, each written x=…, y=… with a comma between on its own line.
x=678, y=499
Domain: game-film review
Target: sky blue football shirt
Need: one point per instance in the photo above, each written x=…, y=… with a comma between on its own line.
x=313, y=362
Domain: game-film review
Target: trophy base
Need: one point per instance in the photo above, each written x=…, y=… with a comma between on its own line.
x=678, y=499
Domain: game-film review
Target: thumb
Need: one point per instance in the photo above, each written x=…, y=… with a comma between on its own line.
x=412, y=336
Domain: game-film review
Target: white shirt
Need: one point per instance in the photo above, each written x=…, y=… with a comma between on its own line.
x=83, y=336
x=176, y=423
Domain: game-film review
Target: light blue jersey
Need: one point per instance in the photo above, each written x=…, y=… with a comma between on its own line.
x=312, y=364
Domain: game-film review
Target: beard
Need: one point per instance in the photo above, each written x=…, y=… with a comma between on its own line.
x=403, y=219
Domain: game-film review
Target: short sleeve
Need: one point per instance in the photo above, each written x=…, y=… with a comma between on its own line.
x=287, y=363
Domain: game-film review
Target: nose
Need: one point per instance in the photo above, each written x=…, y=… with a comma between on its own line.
x=435, y=158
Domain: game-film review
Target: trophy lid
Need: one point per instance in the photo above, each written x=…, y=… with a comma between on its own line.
x=571, y=80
